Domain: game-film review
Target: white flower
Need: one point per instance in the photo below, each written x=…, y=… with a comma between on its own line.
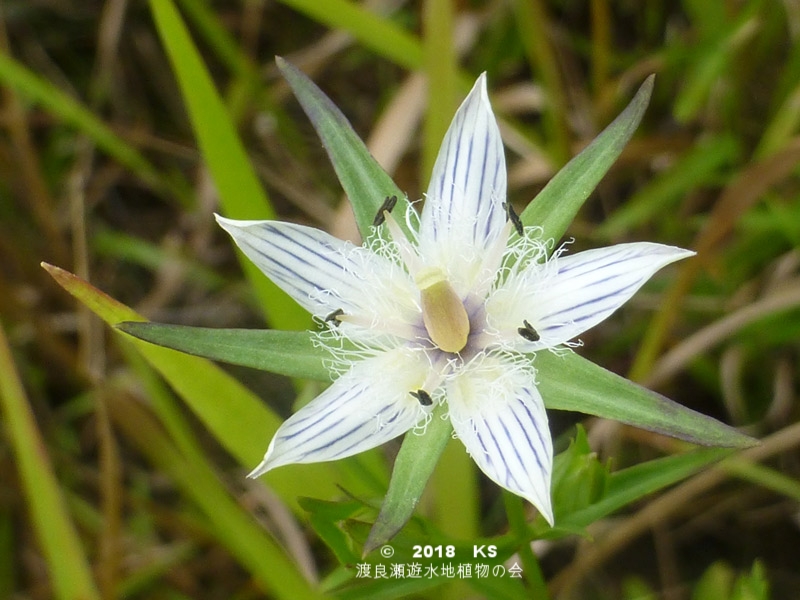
x=449, y=316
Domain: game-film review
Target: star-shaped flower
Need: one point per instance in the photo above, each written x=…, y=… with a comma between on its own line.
x=450, y=313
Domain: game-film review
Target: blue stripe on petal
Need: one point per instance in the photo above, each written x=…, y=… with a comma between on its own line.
x=531, y=419
x=499, y=416
x=320, y=272
x=364, y=408
x=468, y=186
x=586, y=308
x=580, y=292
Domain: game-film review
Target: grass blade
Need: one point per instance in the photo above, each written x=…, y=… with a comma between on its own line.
x=72, y=112
x=235, y=416
x=68, y=565
x=240, y=191
x=556, y=205
x=375, y=32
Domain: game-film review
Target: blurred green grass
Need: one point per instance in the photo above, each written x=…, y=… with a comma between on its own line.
x=101, y=174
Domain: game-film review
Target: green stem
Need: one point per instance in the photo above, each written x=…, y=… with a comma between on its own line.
x=515, y=511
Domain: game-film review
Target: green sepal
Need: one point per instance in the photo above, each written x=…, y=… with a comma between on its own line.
x=413, y=466
x=565, y=380
x=570, y=382
x=364, y=181
x=556, y=205
x=290, y=353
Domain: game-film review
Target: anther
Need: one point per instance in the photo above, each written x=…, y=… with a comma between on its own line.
x=423, y=397
x=512, y=216
x=528, y=332
x=387, y=206
x=334, y=317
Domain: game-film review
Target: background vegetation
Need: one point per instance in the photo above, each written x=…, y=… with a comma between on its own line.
x=115, y=485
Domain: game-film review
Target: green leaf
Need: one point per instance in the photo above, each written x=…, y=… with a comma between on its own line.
x=71, y=576
x=364, y=181
x=556, y=205
x=579, y=479
x=700, y=165
x=379, y=34
x=566, y=381
x=240, y=191
x=239, y=420
x=570, y=382
x=291, y=353
x=629, y=485
x=75, y=114
x=415, y=462
x=230, y=522
x=213, y=31
x=325, y=518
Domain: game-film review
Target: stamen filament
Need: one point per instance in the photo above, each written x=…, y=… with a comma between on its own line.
x=398, y=329
x=407, y=251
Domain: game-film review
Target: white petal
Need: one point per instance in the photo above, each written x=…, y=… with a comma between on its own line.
x=574, y=293
x=364, y=408
x=463, y=209
x=499, y=415
x=323, y=273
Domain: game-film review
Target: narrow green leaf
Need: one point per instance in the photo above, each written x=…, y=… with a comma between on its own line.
x=700, y=166
x=125, y=247
x=711, y=63
x=232, y=525
x=239, y=420
x=379, y=34
x=570, y=382
x=59, y=542
x=290, y=353
x=631, y=484
x=325, y=518
x=364, y=181
x=556, y=205
x=240, y=191
x=64, y=107
x=413, y=467
x=212, y=29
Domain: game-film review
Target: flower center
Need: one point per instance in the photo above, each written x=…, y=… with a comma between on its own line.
x=443, y=311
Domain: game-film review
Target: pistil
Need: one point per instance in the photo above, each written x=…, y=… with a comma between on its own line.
x=443, y=311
